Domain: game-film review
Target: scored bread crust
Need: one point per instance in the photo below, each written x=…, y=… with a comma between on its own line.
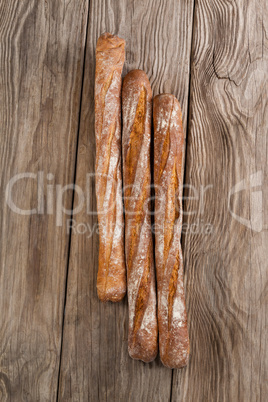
x=168, y=159
x=136, y=140
x=110, y=56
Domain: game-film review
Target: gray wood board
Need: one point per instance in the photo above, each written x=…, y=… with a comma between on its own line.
x=95, y=362
x=47, y=105
x=226, y=271
x=42, y=48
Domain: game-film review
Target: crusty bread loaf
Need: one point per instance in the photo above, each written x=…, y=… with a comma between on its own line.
x=168, y=158
x=110, y=56
x=136, y=141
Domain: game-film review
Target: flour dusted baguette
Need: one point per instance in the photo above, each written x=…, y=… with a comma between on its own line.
x=110, y=56
x=136, y=106
x=168, y=156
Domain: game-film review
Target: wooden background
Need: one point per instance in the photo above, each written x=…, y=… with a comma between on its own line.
x=57, y=341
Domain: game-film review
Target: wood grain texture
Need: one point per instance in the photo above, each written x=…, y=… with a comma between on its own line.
x=42, y=54
x=95, y=363
x=226, y=271
x=42, y=47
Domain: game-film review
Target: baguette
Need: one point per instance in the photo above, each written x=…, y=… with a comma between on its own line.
x=137, y=107
x=168, y=158
x=110, y=56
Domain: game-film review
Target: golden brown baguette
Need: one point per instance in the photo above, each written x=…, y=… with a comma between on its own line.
x=110, y=56
x=168, y=158
x=137, y=107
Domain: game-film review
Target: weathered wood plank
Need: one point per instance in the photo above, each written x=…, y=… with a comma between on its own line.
x=95, y=362
x=226, y=271
x=42, y=54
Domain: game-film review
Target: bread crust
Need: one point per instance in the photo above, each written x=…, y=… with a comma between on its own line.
x=110, y=56
x=137, y=108
x=168, y=159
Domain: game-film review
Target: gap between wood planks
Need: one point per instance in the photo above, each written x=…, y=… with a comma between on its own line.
x=185, y=147
x=73, y=195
